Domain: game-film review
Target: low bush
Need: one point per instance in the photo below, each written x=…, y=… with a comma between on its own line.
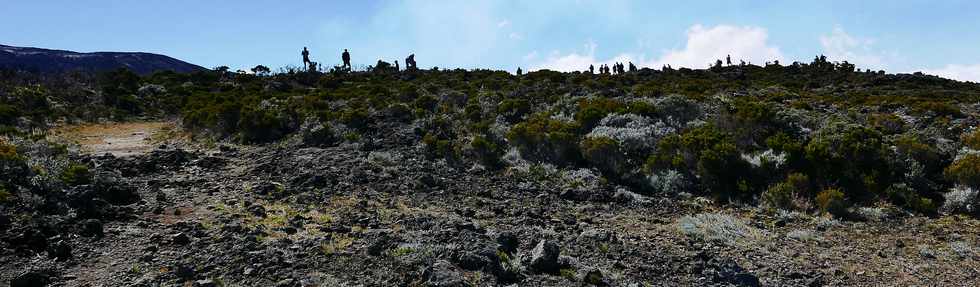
x=604, y=154
x=76, y=174
x=972, y=139
x=851, y=157
x=832, y=201
x=487, y=151
x=710, y=154
x=790, y=194
x=514, y=109
x=904, y=196
x=965, y=170
x=545, y=139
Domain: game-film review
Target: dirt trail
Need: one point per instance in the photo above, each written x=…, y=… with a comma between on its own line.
x=118, y=139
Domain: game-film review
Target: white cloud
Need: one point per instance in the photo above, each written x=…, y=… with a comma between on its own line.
x=841, y=46
x=533, y=55
x=503, y=24
x=704, y=46
x=969, y=73
x=515, y=36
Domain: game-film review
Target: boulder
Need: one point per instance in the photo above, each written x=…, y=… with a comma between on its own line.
x=544, y=257
x=31, y=279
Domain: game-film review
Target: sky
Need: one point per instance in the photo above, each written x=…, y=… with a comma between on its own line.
x=935, y=37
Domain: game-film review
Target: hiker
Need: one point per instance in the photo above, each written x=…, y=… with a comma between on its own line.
x=410, y=62
x=632, y=67
x=346, y=57
x=591, y=69
x=306, y=57
x=728, y=59
x=519, y=71
x=397, y=68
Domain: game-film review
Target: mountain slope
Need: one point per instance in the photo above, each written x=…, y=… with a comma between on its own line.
x=55, y=61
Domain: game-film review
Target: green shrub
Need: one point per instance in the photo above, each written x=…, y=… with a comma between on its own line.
x=888, y=123
x=604, y=153
x=789, y=194
x=436, y=146
x=356, y=118
x=543, y=138
x=710, y=154
x=76, y=174
x=8, y=115
x=965, y=171
x=487, y=151
x=5, y=196
x=972, y=139
x=591, y=111
x=426, y=103
x=904, y=196
x=851, y=157
x=260, y=126
x=832, y=201
x=473, y=112
x=13, y=166
x=514, y=109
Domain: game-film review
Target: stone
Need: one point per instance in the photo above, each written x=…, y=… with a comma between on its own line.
x=59, y=250
x=91, y=228
x=544, y=257
x=31, y=279
x=205, y=283
x=444, y=274
x=181, y=239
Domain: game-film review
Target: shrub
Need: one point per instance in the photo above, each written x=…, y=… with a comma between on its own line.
x=5, y=196
x=260, y=126
x=514, y=109
x=888, y=123
x=972, y=139
x=710, y=154
x=426, y=103
x=716, y=227
x=591, y=111
x=76, y=174
x=604, y=153
x=668, y=182
x=851, y=157
x=13, y=166
x=832, y=201
x=436, y=146
x=543, y=138
x=781, y=196
x=487, y=151
x=965, y=170
x=904, y=196
x=961, y=199
x=356, y=118
x=8, y=115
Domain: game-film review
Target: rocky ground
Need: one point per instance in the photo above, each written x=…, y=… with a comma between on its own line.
x=379, y=213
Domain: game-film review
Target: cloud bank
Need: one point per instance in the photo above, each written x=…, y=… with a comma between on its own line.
x=704, y=46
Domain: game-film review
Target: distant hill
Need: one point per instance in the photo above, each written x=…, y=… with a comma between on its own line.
x=56, y=61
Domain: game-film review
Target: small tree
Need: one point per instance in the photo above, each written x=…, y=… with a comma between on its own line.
x=261, y=70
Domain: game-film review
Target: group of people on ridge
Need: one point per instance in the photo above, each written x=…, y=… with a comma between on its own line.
x=345, y=57
x=617, y=68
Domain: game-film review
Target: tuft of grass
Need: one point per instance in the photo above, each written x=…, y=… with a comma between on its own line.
x=338, y=242
x=719, y=228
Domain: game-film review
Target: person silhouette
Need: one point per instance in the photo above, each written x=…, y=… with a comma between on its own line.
x=591, y=69
x=306, y=57
x=397, y=68
x=346, y=57
x=519, y=71
x=410, y=62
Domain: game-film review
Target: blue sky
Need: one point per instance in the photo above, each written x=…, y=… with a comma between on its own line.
x=939, y=37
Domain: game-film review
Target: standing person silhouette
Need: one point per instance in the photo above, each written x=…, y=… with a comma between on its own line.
x=346, y=57
x=306, y=57
x=591, y=69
